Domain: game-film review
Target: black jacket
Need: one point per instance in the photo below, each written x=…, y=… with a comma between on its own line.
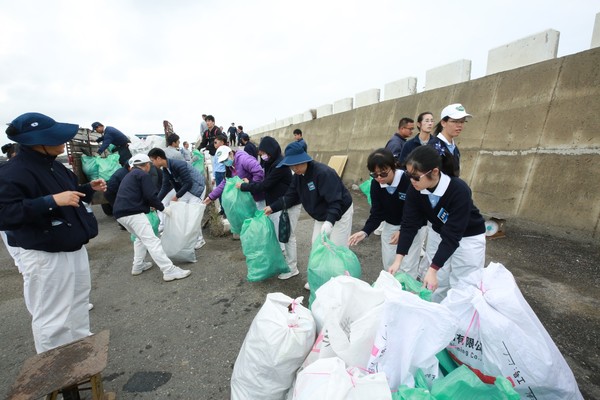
x=385, y=206
x=137, y=193
x=28, y=210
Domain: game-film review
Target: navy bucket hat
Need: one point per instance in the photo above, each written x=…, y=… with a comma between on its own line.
x=294, y=155
x=35, y=128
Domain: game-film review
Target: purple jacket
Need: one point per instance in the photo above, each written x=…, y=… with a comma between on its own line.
x=244, y=166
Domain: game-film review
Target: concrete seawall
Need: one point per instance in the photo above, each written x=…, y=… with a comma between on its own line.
x=530, y=154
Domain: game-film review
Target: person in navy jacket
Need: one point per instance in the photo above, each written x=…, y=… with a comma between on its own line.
x=115, y=137
x=42, y=206
x=452, y=122
x=388, y=193
x=456, y=238
x=425, y=126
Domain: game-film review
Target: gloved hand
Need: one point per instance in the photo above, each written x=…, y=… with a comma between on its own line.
x=168, y=211
x=327, y=228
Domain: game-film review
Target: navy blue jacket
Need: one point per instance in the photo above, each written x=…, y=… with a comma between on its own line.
x=251, y=149
x=112, y=136
x=112, y=186
x=182, y=177
x=385, y=206
x=137, y=193
x=321, y=192
x=277, y=180
x=395, y=145
x=28, y=210
x=455, y=154
x=456, y=207
x=412, y=144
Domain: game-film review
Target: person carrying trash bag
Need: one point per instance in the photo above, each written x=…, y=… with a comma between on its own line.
x=388, y=193
x=275, y=184
x=240, y=165
x=136, y=195
x=322, y=194
x=456, y=238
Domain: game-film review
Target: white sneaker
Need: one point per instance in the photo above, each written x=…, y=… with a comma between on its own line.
x=90, y=306
x=199, y=244
x=145, y=266
x=288, y=275
x=306, y=286
x=176, y=273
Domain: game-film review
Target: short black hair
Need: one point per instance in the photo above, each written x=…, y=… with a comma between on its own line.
x=297, y=132
x=405, y=121
x=210, y=118
x=172, y=138
x=157, y=153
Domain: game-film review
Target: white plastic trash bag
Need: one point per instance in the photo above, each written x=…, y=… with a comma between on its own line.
x=181, y=229
x=277, y=342
x=411, y=332
x=500, y=335
x=348, y=311
x=328, y=379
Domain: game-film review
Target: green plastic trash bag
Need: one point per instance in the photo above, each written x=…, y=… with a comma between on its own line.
x=89, y=164
x=264, y=257
x=154, y=221
x=238, y=205
x=365, y=187
x=107, y=166
x=328, y=260
x=412, y=285
x=419, y=392
x=198, y=160
x=462, y=383
x=447, y=364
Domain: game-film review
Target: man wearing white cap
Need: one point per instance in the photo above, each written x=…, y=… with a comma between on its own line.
x=452, y=121
x=136, y=195
x=42, y=206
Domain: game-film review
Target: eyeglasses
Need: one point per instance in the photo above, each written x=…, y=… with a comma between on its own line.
x=458, y=121
x=376, y=175
x=417, y=178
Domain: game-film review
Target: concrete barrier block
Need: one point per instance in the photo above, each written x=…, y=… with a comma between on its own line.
x=400, y=88
x=309, y=115
x=288, y=121
x=596, y=33
x=367, y=98
x=324, y=110
x=530, y=50
x=298, y=118
x=279, y=123
x=342, y=105
x=449, y=74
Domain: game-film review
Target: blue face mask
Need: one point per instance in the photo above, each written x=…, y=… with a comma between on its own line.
x=228, y=162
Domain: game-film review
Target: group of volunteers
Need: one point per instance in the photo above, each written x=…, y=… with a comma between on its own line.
x=416, y=196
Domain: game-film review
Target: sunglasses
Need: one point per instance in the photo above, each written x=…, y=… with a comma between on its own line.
x=375, y=175
x=417, y=178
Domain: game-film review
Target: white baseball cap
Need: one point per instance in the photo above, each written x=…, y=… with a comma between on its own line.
x=222, y=153
x=455, y=111
x=139, y=159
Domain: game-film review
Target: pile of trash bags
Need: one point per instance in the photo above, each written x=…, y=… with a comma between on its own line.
x=387, y=341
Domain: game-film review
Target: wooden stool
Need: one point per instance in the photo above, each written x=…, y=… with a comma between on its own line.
x=65, y=368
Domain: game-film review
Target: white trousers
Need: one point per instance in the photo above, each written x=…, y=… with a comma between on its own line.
x=186, y=198
x=145, y=242
x=13, y=251
x=289, y=249
x=341, y=230
x=410, y=262
x=469, y=257
x=56, y=287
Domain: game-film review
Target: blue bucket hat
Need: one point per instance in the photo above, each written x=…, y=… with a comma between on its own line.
x=35, y=128
x=294, y=155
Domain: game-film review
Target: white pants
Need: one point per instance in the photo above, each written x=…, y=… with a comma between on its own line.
x=469, y=257
x=410, y=262
x=186, y=198
x=13, y=251
x=341, y=230
x=289, y=249
x=56, y=287
x=146, y=241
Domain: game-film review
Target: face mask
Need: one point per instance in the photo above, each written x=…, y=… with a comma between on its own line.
x=265, y=157
x=228, y=162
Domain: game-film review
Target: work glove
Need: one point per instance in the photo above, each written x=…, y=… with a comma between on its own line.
x=327, y=228
x=168, y=211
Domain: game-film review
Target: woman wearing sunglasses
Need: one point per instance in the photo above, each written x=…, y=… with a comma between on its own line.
x=456, y=237
x=388, y=192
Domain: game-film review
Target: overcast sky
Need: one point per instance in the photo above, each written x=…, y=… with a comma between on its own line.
x=132, y=64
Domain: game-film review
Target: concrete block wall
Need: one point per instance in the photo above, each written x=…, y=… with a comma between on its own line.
x=400, y=88
x=343, y=105
x=532, y=49
x=596, y=33
x=531, y=153
x=449, y=74
x=367, y=97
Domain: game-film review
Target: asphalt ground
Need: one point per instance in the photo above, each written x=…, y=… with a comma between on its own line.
x=179, y=340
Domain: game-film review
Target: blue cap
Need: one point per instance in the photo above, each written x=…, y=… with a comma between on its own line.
x=95, y=125
x=35, y=128
x=294, y=155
